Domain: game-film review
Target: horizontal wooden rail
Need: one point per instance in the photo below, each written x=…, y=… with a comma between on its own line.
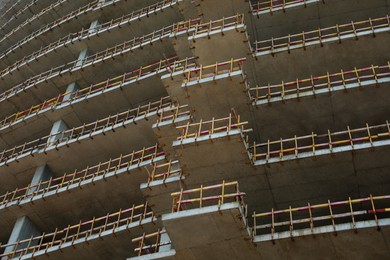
x=322, y=84
x=82, y=230
x=314, y=143
x=86, y=33
x=145, y=248
x=31, y=19
x=119, y=49
x=123, y=162
x=219, y=68
x=322, y=35
x=319, y=215
x=74, y=134
x=119, y=81
x=270, y=6
x=90, y=7
x=220, y=125
x=220, y=193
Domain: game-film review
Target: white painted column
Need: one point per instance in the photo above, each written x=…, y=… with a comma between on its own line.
x=71, y=89
x=56, y=131
x=24, y=228
x=42, y=173
x=164, y=238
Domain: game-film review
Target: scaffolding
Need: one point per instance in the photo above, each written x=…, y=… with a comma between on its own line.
x=319, y=144
x=337, y=33
x=321, y=218
x=150, y=243
x=82, y=232
x=343, y=80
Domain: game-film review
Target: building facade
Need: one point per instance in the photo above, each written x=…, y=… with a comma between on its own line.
x=194, y=129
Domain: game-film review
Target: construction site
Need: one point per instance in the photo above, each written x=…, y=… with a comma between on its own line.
x=194, y=129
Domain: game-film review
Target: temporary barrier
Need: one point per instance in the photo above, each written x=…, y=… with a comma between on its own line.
x=35, y=16
x=162, y=171
x=328, y=83
x=220, y=125
x=80, y=233
x=336, y=33
x=87, y=33
x=66, y=137
x=205, y=196
x=214, y=70
x=319, y=144
x=123, y=162
x=270, y=6
x=321, y=218
x=145, y=248
x=93, y=6
x=101, y=87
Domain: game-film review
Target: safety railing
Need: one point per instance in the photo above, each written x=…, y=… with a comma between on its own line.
x=174, y=113
x=66, y=137
x=292, y=221
x=214, y=126
x=323, y=35
x=92, y=6
x=116, y=82
x=86, y=33
x=98, y=227
x=29, y=20
x=13, y=6
x=314, y=144
x=162, y=171
x=125, y=162
x=214, y=70
x=270, y=6
x=220, y=24
x=372, y=75
x=15, y=15
x=119, y=49
x=207, y=196
x=150, y=243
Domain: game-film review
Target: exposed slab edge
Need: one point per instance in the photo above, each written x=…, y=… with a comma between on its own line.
x=348, y=148
x=89, y=238
x=201, y=211
x=208, y=79
x=319, y=42
x=286, y=6
x=159, y=255
x=208, y=137
x=161, y=182
x=322, y=91
x=172, y=121
x=322, y=230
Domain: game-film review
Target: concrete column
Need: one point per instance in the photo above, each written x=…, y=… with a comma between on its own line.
x=93, y=25
x=72, y=88
x=164, y=238
x=42, y=173
x=23, y=229
x=83, y=54
x=56, y=130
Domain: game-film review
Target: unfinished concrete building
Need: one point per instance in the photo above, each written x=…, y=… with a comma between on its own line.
x=194, y=129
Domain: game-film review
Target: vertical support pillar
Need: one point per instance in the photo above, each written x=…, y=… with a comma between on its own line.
x=164, y=238
x=42, y=173
x=71, y=89
x=24, y=228
x=83, y=54
x=56, y=130
x=93, y=26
